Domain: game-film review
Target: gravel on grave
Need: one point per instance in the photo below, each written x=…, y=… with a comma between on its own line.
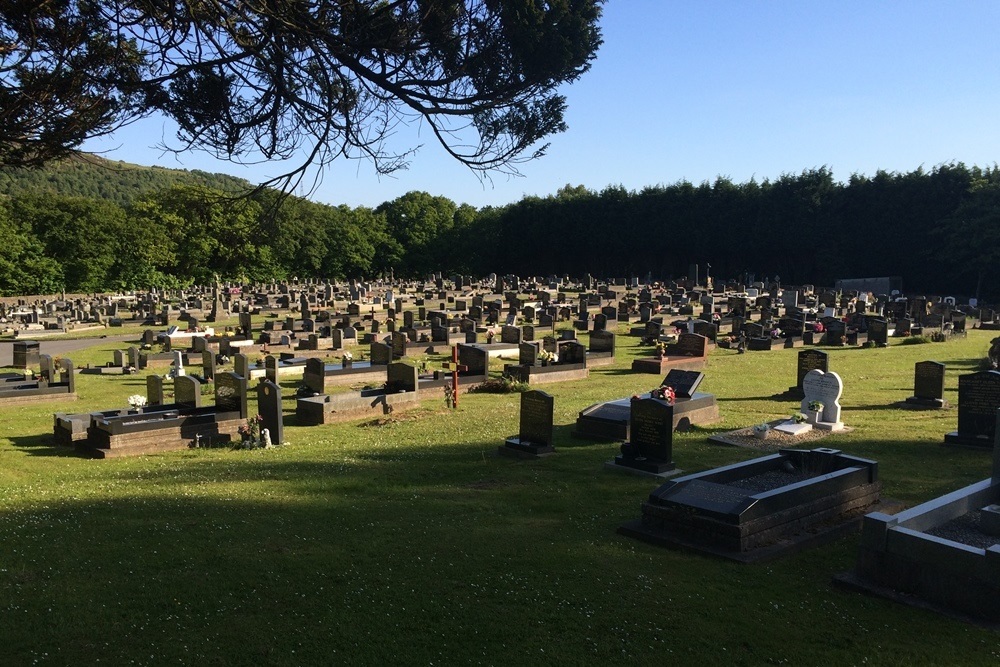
x=772, y=479
x=965, y=529
x=775, y=440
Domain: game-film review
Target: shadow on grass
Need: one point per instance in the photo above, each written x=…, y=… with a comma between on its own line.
x=41, y=445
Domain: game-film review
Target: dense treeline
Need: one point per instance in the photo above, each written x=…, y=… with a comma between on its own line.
x=939, y=230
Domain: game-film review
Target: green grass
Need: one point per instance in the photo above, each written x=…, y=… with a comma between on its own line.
x=412, y=542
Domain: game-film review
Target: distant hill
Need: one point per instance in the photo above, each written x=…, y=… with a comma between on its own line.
x=116, y=181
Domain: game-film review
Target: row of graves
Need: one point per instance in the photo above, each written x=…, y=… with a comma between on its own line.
x=54, y=380
x=944, y=551
x=153, y=425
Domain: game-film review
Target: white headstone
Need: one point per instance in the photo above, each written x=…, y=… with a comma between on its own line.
x=178, y=364
x=753, y=293
x=950, y=300
x=825, y=388
x=974, y=302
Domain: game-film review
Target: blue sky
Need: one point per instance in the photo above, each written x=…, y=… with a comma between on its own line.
x=697, y=90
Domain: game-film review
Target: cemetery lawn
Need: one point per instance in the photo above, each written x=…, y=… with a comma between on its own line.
x=409, y=541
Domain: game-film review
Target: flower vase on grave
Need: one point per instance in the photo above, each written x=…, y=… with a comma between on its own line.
x=346, y=363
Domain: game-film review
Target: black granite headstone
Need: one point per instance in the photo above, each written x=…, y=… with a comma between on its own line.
x=269, y=408
x=684, y=383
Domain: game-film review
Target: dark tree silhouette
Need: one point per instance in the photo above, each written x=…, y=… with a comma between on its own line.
x=259, y=80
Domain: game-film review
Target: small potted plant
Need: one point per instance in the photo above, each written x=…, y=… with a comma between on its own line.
x=761, y=430
x=798, y=418
x=814, y=411
x=347, y=360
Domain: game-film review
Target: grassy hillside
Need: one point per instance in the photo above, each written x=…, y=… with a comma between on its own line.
x=96, y=178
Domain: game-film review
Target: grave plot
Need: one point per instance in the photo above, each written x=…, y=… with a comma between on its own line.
x=48, y=384
x=690, y=352
x=161, y=428
x=470, y=365
x=943, y=554
x=567, y=362
x=398, y=393
x=648, y=449
x=534, y=437
x=609, y=420
x=763, y=508
x=320, y=376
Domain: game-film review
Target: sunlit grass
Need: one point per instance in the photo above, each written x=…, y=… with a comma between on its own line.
x=412, y=542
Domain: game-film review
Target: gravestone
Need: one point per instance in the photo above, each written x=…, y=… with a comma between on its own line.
x=978, y=402
x=399, y=343
x=154, y=390
x=825, y=387
x=808, y=360
x=690, y=345
x=187, y=392
x=649, y=447
x=380, y=353
x=928, y=385
x=535, y=433
x=241, y=365
x=269, y=408
x=208, y=364
x=510, y=335
x=400, y=377
x=878, y=331
x=527, y=354
x=231, y=394
x=836, y=332
x=178, y=363
x=684, y=383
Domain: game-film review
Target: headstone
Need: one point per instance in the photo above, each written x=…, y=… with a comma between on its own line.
x=231, y=394
x=535, y=432
x=878, y=331
x=154, y=390
x=400, y=377
x=825, y=387
x=978, y=402
x=380, y=353
x=208, y=364
x=269, y=408
x=808, y=360
x=928, y=385
x=187, y=392
x=649, y=447
x=178, y=363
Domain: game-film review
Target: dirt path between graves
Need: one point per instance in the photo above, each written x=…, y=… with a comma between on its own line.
x=59, y=347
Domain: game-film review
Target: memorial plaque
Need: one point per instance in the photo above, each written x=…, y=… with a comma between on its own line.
x=684, y=383
x=208, y=364
x=978, y=401
x=928, y=380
